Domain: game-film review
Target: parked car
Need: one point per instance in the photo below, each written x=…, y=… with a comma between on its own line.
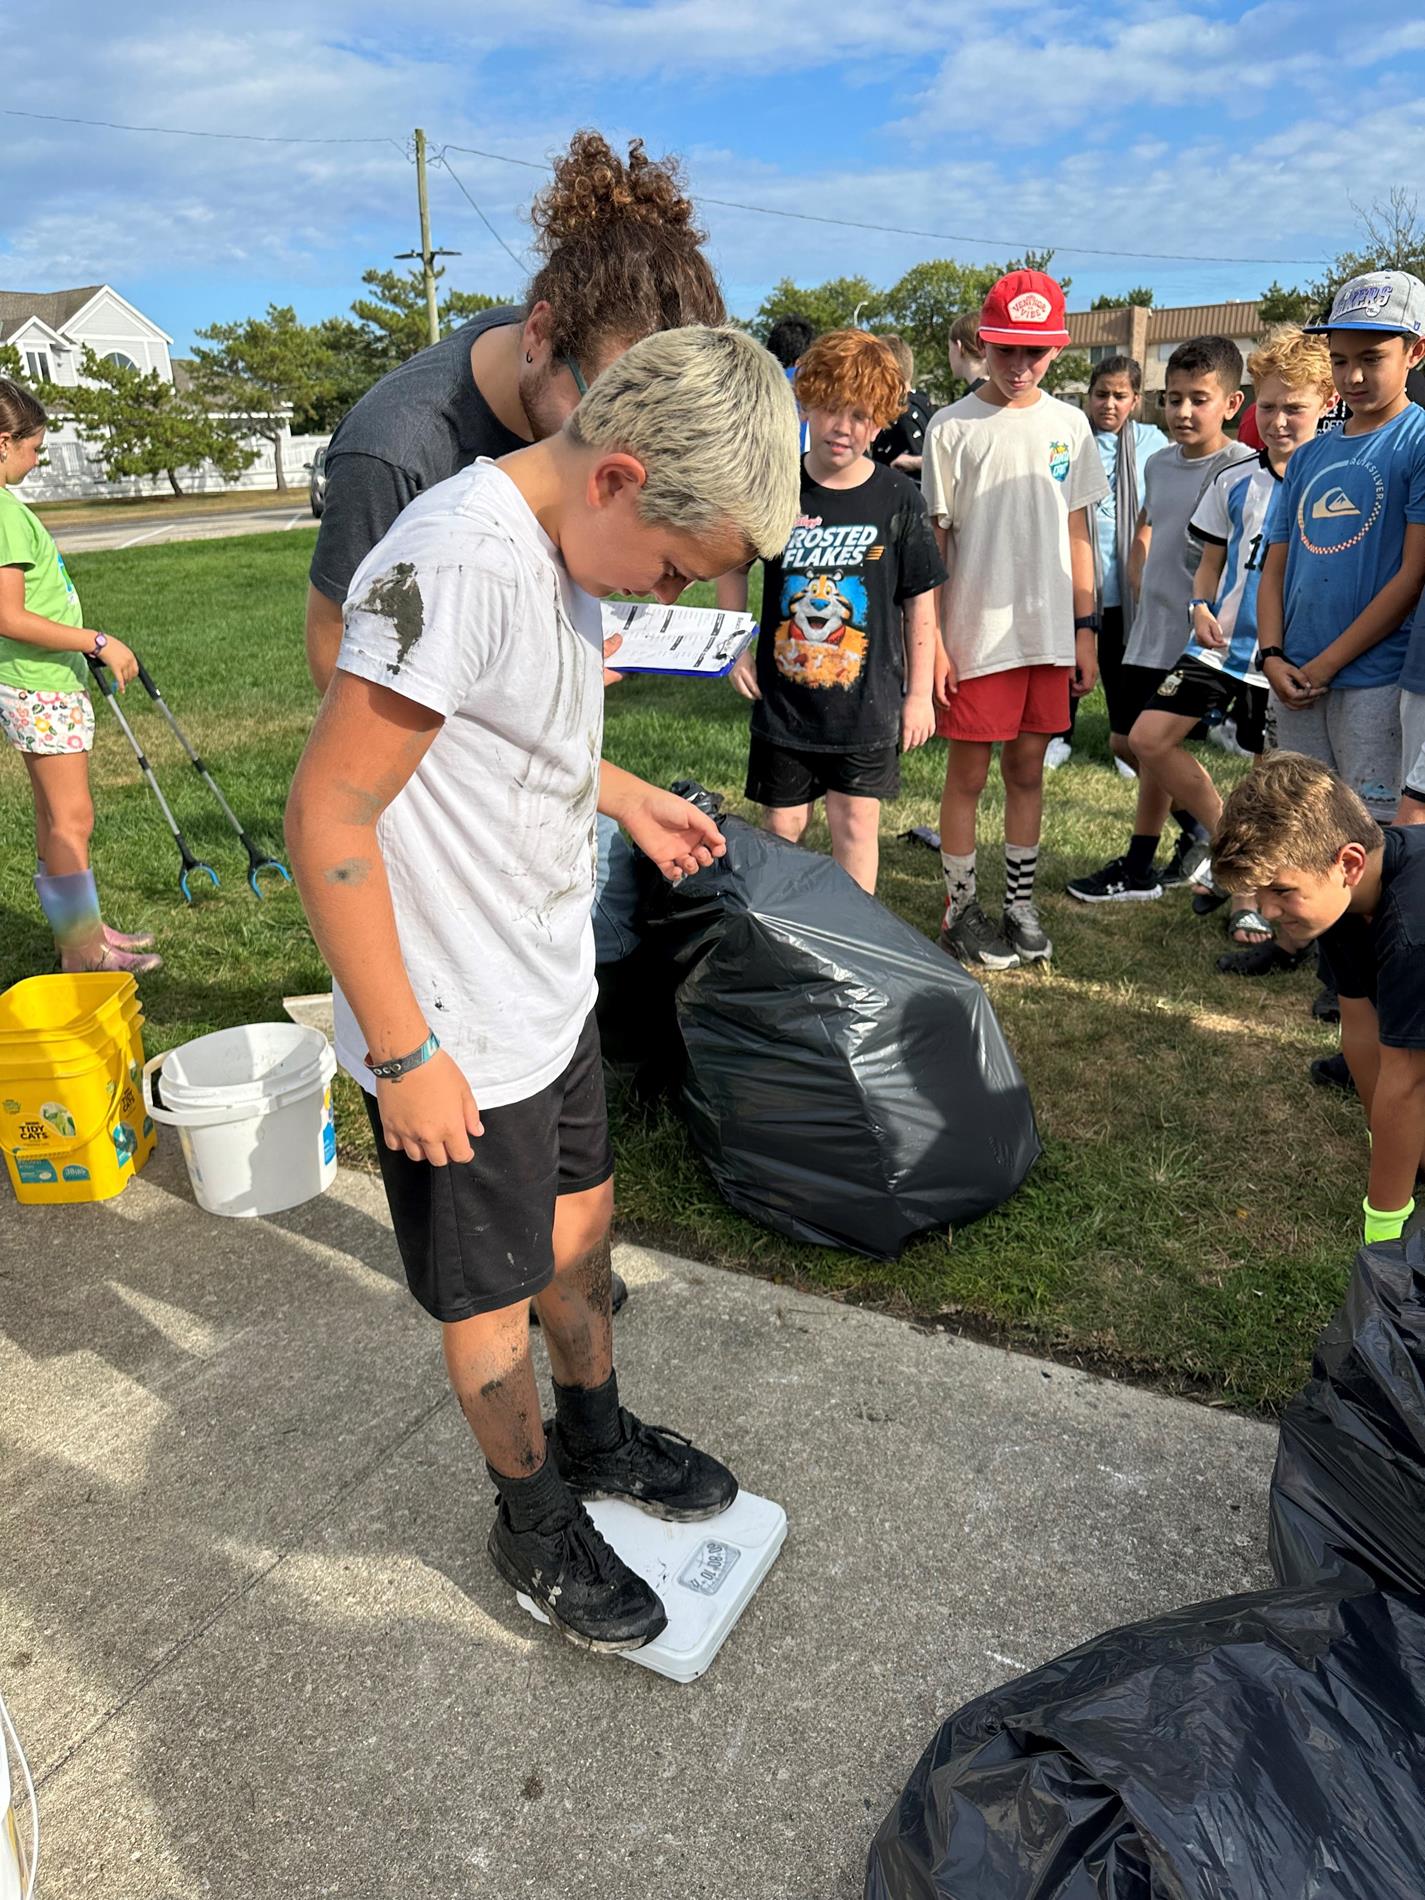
x=318, y=466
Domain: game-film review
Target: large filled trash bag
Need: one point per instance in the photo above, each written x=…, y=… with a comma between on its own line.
x=1348, y=1492
x=1267, y=1747
x=846, y=1082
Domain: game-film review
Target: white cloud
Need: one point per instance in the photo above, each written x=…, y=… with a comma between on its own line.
x=1153, y=164
x=1287, y=195
x=1080, y=70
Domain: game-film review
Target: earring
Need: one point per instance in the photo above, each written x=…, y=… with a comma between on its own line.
x=527, y=357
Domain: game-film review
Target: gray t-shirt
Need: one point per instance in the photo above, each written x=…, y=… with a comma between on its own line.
x=1172, y=485
x=421, y=424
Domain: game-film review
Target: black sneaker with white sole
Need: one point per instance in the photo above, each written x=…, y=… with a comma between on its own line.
x=1191, y=857
x=660, y=1471
x=583, y=1586
x=1115, y=884
x=972, y=938
x=1025, y=935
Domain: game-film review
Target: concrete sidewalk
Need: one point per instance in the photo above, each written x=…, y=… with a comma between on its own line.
x=250, y=1638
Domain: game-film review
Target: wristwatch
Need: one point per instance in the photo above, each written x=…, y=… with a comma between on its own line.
x=1201, y=601
x=398, y=1066
x=1087, y=622
x=1269, y=653
x=101, y=640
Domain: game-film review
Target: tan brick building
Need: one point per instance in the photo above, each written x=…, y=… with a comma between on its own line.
x=1151, y=336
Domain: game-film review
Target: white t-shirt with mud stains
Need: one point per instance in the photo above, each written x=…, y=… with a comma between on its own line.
x=466, y=607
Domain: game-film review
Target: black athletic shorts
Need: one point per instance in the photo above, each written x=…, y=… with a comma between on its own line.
x=478, y=1235
x=779, y=775
x=1194, y=690
x=1128, y=690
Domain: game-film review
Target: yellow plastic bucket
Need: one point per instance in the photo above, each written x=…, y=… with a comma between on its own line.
x=72, y=1120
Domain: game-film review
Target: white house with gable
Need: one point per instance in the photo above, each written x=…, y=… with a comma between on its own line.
x=50, y=330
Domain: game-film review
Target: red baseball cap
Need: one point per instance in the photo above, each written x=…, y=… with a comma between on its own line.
x=1024, y=308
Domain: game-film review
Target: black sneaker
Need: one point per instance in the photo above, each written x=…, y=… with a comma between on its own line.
x=973, y=939
x=1332, y=1072
x=1191, y=857
x=585, y=1589
x=658, y=1470
x=618, y=1293
x=1115, y=884
x=1025, y=935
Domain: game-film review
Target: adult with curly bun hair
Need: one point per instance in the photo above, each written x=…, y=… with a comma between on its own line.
x=622, y=259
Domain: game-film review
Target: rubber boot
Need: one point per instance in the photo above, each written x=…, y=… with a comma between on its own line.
x=71, y=907
x=115, y=939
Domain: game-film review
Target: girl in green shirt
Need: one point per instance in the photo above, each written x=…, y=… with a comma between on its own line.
x=45, y=713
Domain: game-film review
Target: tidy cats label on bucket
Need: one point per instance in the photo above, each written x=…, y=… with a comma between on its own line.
x=72, y=1121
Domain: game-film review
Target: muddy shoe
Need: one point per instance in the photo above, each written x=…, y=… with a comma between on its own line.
x=658, y=1470
x=585, y=1589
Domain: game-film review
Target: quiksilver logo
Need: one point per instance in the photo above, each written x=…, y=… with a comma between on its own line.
x=1334, y=502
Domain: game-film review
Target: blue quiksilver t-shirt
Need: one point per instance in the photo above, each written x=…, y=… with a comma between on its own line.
x=1342, y=511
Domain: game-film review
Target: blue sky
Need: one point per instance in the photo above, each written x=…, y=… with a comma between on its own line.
x=1211, y=130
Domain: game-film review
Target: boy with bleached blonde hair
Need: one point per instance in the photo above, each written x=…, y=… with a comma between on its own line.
x=441, y=826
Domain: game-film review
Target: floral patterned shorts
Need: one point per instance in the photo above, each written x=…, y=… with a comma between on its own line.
x=46, y=723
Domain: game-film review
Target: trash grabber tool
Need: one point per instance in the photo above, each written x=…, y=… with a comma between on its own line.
x=256, y=860
x=107, y=686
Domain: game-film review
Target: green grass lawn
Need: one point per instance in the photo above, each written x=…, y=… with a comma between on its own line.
x=1194, y=1216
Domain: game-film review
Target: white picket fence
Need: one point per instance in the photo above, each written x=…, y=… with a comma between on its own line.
x=68, y=471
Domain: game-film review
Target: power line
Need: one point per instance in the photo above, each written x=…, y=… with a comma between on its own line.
x=729, y=204
x=188, y=132
x=944, y=237
x=442, y=160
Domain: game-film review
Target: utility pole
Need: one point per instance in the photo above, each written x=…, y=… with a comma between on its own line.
x=425, y=253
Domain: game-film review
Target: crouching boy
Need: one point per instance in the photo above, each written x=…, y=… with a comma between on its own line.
x=1324, y=871
x=441, y=827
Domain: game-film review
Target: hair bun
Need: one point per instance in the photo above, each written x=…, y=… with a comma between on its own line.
x=593, y=189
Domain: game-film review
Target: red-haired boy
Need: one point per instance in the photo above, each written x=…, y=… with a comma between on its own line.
x=1010, y=477
x=843, y=673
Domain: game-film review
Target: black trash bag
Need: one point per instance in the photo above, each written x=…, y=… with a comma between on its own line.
x=1265, y=1747
x=847, y=1082
x=1348, y=1492
x=638, y=1028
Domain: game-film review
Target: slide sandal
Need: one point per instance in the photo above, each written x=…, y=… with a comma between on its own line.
x=1249, y=920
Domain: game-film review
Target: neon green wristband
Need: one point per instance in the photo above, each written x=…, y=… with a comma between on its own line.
x=1383, y=1226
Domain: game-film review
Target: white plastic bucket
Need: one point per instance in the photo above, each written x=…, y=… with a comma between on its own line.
x=253, y=1110
x=18, y=1866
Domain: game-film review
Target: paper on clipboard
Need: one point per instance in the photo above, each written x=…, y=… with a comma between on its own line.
x=698, y=640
